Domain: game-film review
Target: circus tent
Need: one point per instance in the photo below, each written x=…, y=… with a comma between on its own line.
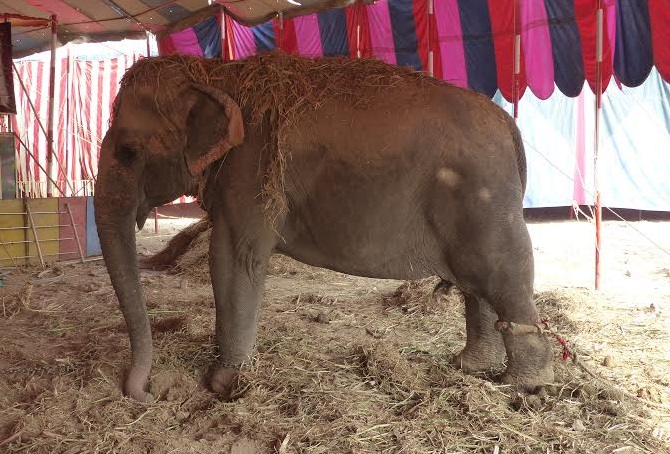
x=538, y=59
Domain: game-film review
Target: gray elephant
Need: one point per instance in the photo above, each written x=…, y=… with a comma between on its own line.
x=352, y=165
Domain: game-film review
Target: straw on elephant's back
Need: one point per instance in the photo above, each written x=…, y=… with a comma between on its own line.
x=279, y=87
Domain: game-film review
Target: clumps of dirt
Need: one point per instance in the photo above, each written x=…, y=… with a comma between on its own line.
x=313, y=299
x=169, y=324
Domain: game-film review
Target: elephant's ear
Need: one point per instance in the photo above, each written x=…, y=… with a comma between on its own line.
x=213, y=126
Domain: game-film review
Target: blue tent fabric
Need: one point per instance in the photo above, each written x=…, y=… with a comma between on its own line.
x=480, y=58
x=404, y=34
x=634, y=159
x=566, y=47
x=209, y=37
x=333, y=28
x=633, y=58
x=264, y=36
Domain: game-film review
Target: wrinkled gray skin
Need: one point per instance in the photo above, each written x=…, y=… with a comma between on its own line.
x=424, y=183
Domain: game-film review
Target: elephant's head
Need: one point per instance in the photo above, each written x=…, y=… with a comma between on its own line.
x=161, y=139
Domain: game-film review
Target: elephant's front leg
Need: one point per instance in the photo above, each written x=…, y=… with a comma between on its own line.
x=239, y=254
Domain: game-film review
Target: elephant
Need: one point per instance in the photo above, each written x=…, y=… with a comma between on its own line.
x=381, y=171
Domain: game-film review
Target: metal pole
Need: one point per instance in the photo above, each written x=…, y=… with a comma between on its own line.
x=358, y=7
x=230, y=35
x=148, y=44
x=156, y=220
x=222, y=26
x=68, y=120
x=431, y=13
x=281, y=30
x=596, y=141
x=517, y=57
x=32, y=226
x=74, y=229
x=50, y=125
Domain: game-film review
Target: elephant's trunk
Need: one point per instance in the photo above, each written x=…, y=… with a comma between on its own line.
x=115, y=215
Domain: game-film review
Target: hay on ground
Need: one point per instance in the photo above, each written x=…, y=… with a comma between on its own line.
x=373, y=377
x=328, y=387
x=180, y=244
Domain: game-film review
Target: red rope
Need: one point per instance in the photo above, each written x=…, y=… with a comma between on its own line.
x=561, y=340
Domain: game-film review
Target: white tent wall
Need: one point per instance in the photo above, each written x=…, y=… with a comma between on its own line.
x=634, y=156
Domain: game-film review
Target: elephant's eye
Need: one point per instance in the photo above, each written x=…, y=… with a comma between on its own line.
x=125, y=154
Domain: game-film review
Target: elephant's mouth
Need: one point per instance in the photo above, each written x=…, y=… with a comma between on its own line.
x=142, y=215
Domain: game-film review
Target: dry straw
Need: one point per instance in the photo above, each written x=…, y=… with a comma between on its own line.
x=275, y=89
x=373, y=378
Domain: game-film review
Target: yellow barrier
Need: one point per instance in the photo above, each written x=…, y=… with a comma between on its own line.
x=44, y=215
x=21, y=221
x=12, y=233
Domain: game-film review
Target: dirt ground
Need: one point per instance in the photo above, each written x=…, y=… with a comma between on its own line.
x=344, y=364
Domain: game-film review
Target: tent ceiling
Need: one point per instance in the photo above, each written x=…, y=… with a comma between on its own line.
x=99, y=20
x=252, y=12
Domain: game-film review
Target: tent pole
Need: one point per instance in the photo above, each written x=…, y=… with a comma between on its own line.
x=431, y=57
x=229, y=38
x=68, y=123
x=517, y=58
x=50, y=125
x=596, y=141
x=358, y=40
x=222, y=26
x=280, y=44
x=148, y=44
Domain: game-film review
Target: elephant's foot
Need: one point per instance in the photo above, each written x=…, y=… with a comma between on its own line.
x=136, y=384
x=480, y=358
x=224, y=381
x=529, y=365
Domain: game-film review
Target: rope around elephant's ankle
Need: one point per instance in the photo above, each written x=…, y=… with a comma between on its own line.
x=516, y=329
x=567, y=353
x=231, y=365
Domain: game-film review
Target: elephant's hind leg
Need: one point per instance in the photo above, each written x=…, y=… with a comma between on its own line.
x=484, y=347
x=498, y=269
x=509, y=291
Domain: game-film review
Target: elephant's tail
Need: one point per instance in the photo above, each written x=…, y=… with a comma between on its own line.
x=520, y=154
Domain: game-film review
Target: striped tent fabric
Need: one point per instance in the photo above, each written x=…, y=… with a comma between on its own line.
x=203, y=39
x=83, y=96
x=471, y=41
